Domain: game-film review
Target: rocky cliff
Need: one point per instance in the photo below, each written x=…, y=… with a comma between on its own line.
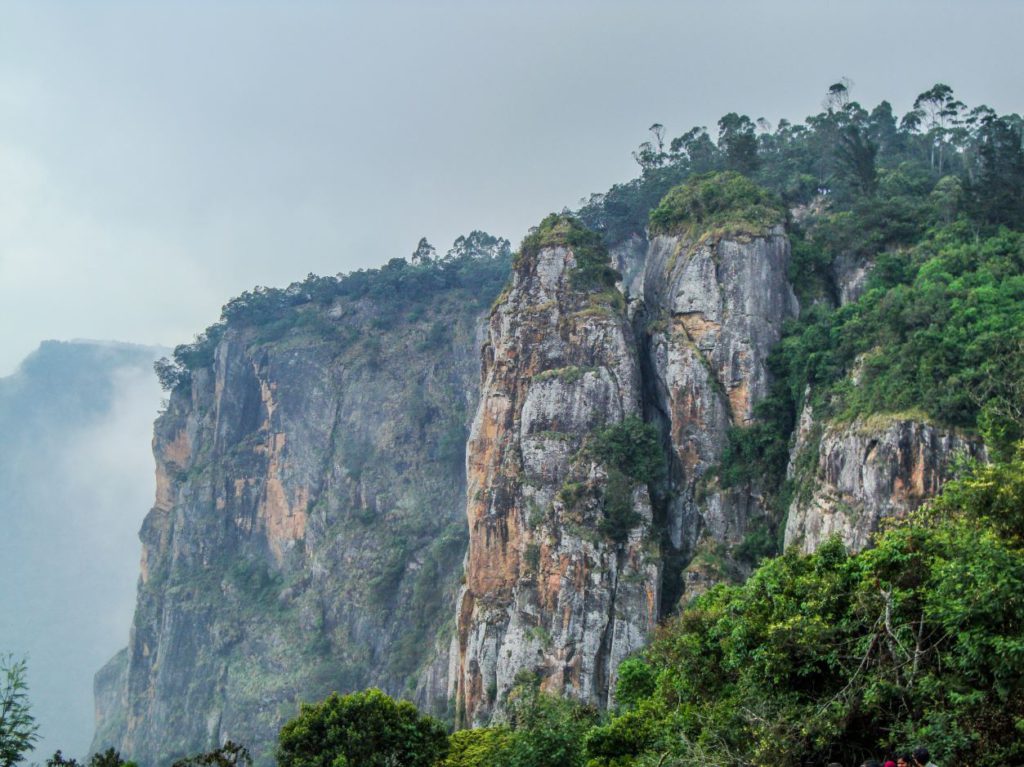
x=314, y=482
x=856, y=475
x=562, y=573
x=545, y=591
x=715, y=308
x=308, y=528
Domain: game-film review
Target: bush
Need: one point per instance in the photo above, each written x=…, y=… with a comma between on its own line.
x=829, y=657
x=631, y=447
x=368, y=729
x=724, y=200
x=482, y=747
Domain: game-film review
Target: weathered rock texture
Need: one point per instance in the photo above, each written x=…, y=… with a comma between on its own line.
x=865, y=472
x=308, y=529
x=545, y=590
x=312, y=496
x=715, y=308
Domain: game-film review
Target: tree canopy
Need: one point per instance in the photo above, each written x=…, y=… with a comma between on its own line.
x=368, y=729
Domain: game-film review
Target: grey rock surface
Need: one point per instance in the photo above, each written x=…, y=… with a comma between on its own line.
x=868, y=471
x=546, y=591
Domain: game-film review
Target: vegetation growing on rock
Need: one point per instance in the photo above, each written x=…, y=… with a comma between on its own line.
x=726, y=202
x=592, y=270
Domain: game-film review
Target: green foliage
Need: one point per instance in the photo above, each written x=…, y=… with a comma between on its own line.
x=752, y=452
x=482, y=747
x=624, y=209
x=848, y=157
x=726, y=201
x=58, y=760
x=940, y=330
x=568, y=374
x=111, y=758
x=632, y=447
x=631, y=454
x=258, y=583
x=231, y=754
x=829, y=657
x=617, y=515
x=532, y=557
x=18, y=728
x=368, y=729
x=593, y=270
x=475, y=269
x=546, y=730
x=636, y=681
x=542, y=730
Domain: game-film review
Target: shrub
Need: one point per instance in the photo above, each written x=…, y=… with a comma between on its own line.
x=632, y=447
x=724, y=200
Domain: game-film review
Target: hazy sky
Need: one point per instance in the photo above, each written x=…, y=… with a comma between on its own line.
x=157, y=158
x=76, y=473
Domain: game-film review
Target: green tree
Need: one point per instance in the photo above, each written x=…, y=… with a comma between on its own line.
x=855, y=156
x=939, y=108
x=738, y=143
x=546, y=730
x=112, y=758
x=18, y=728
x=363, y=729
x=482, y=747
x=58, y=760
x=832, y=656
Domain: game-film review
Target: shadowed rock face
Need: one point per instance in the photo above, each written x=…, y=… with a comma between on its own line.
x=308, y=528
x=868, y=471
x=545, y=590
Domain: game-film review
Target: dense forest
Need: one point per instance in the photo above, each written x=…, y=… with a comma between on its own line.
x=929, y=207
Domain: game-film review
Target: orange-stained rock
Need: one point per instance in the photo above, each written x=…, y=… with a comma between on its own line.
x=545, y=591
x=867, y=471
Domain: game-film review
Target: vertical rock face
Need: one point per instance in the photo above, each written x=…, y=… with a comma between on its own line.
x=548, y=588
x=868, y=471
x=715, y=310
x=308, y=528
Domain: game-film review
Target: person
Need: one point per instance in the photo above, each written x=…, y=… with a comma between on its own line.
x=889, y=763
x=922, y=758
x=904, y=760
x=872, y=763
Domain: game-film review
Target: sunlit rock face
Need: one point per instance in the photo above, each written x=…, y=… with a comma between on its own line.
x=546, y=591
